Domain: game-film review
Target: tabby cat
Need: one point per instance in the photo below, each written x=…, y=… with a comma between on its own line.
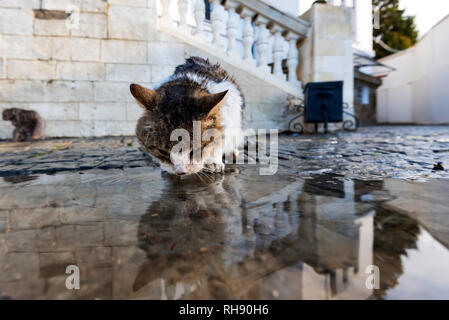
x=197, y=91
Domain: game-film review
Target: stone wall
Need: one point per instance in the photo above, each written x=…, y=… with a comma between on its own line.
x=77, y=76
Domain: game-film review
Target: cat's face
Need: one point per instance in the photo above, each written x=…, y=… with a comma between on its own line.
x=175, y=106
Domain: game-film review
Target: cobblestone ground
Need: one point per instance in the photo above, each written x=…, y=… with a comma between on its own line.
x=337, y=204
x=376, y=152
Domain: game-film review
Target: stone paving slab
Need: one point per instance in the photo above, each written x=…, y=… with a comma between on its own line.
x=55, y=155
x=128, y=228
x=409, y=152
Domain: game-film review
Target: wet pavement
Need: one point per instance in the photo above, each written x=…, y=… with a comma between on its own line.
x=338, y=204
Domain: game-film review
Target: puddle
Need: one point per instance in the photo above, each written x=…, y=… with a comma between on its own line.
x=137, y=233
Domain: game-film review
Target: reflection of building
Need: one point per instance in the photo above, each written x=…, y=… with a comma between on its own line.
x=299, y=241
x=337, y=241
x=244, y=236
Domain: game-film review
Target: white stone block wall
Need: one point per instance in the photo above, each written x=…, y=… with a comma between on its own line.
x=78, y=79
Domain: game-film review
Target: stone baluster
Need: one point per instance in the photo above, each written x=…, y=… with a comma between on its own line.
x=217, y=19
x=200, y=16
x=355, y=21
x=183, y=7
x=278, y=51
x=166, y=17
x=292, y=57
x=262, y=42
x=248, y=35
x=232, y=28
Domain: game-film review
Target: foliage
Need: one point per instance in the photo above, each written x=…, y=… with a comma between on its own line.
x=396, y=30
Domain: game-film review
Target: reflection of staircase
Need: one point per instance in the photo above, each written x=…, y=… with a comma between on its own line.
x=260, y=26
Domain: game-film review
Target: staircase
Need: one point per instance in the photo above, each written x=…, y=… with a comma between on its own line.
x=261, y=26
x=256, y=43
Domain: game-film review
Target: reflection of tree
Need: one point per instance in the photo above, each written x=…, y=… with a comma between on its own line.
x=394, y=233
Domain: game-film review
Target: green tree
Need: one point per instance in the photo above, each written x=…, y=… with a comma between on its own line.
x=397, y=31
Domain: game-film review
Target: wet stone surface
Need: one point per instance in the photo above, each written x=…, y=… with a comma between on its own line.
x=67, y=155
x=337, y=204
x=371, y=153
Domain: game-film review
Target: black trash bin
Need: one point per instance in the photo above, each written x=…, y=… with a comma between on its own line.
x=323, y=102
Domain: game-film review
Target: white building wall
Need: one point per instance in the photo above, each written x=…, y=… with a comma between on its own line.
x=417, y=91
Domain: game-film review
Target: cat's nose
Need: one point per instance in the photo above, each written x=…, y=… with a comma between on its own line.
x=180, y=171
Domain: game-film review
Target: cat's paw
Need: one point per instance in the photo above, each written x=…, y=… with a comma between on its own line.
x=215, y=167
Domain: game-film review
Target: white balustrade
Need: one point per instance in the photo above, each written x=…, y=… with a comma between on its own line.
x=278, y=51
x=262, y=42
x=217, y=19
x=292, y=57
x=200, y=16
x=248, y=35
x=166, y=17
x=183, y=6
x=269, y=23
x=232, y=28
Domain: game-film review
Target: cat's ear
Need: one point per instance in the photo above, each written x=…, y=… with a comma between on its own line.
x=211, y=102
x=145, y=97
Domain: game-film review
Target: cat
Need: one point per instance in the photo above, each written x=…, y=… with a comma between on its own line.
x=197, y=91
x=27, y=123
